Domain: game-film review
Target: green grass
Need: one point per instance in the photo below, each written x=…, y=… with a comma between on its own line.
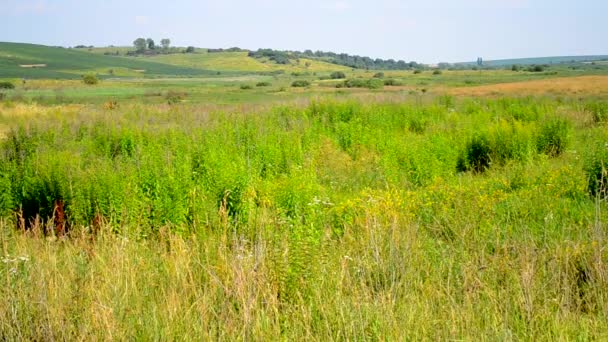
x=332, y=220
x=72, y=63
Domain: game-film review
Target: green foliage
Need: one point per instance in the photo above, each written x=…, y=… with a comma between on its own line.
x=553, y=137
x=372, y=83
x=7, y=85
x=336, y=75
x=174, y=96
x=392, y=82
x=437, y=72
x=90, y=79
x=596, y=168
x=599, y=110
x=300, y=83
x=263, y=84
x=246, y=87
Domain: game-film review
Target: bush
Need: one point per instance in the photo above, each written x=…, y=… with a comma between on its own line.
x=246, y=87
x=300, y=84
x=373, y=83
x=337, y=75
x=392, y=82
x=417, y=71
x=553, y=137
x=174, y=97
x=263, y=84
x=596, y=169
x=7, y=85
x=536, y=68
x=379, y=75
x=499, y=144
x=90, y=79
x=476, y=156
x=437, y=72
x=599, y=110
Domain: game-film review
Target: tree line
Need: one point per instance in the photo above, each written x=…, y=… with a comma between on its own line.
x=352, y=61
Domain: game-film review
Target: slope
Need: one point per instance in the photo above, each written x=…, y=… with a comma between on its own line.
x=38, y=61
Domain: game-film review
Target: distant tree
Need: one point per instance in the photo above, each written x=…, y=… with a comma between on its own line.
x=479, y=61
x=165, y=43
x=7, y=85
x=515, y=67
x=150, y=43
x=140, y=44
x=337, y=75
x=90, y=79
x=190, y=49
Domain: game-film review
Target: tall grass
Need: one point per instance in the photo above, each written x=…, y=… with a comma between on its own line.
x=336, y=220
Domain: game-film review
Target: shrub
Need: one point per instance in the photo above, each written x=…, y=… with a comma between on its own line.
x=536, y=68
x=476, y=155
x=417, y=71
x=553, y=137
x=437, y=72
x=263, y=84
x=337, y=75
x=300, y=84
x=392, y=82
x=379, y=75
x=246, y=87
x=599, y=110
x=596, y=169
x=90, y=79
x=174, y=97
x=373, y=83
x=7, y=85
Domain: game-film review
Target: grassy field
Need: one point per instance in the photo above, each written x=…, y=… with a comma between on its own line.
x=437, y=218
x=61, y=63
x=170, y=204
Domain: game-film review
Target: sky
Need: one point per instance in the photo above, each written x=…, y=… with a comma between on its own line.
x=427, y=31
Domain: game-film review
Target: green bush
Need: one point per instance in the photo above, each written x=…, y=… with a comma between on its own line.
x=263, y=84
x=379, y=75
x=300, y=84
x=246, y=87
x=437, y=72
x=596, y=168
x=337, y=75
x=552, y=139
x=599, y=110
x=7, y=85
x=174, y=97
x=392, y=82
x=476, y=155
x=90, y=79
x=373, y=83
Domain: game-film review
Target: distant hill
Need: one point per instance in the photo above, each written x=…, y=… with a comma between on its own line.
x=19, y=60
x=539, y=60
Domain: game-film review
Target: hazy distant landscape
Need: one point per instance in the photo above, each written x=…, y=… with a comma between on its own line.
x=155, y=191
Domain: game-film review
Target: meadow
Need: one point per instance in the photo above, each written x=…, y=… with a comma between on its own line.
x=437, y=218
x=232, y=205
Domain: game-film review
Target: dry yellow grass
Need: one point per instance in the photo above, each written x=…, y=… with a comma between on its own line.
x=589, y=85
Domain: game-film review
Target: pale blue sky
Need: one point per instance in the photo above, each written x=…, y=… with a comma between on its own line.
x=424, y=30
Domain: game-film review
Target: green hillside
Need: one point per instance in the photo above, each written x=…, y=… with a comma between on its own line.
x=540, y=60
x=240, y=61
x=19, y=60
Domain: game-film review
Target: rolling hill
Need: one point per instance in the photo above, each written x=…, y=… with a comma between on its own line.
x=539, y=60
x=31, y=61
